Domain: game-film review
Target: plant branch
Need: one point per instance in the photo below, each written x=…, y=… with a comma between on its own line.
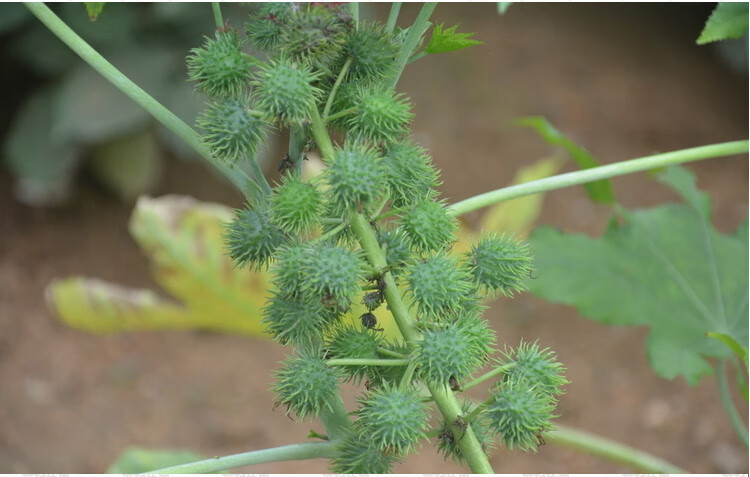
x=417, y=56
x=420, y=25
x=488, y=375
x=354, y=10
x=726, y=401
x=335, y=88
x=597, y=173
x=302, y=451
x=367, y=362
x=611, y=450
x=216, y=6
x=236, y=175
x=393, y=17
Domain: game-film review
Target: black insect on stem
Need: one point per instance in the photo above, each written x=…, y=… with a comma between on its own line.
x=286, y=163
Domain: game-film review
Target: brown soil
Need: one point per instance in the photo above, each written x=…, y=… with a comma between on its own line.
x=624, y=80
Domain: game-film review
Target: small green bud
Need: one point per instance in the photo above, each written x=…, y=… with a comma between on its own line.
x=537, y=366
x=264, y=30
x=296, y=206
x=333, y=273
x=439, y=286
x=251, y=239
x=231, y=130
x=294, y=320
x=306, y=385
x=373, y=53
x=500, y=263
x=355, y=342
x=428, y=226
x=445, y=353
x=520, y=413
x=219, y=66
x=381, y=116
x=393, y=419
x=411, y=174
x=356, y=177
x=284, y=90
x=359, y=454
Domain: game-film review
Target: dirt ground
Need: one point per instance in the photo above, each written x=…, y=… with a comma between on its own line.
x=625, y=80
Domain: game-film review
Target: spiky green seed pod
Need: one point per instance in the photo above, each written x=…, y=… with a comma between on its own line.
x=373, y=52
x=288, y=269
x=285, y=90
x=357, y=343
x=333, y=273
x=358, y=454
x=478, y=333
x=448, y=443
x=439, y=287
x=519, y=413
x=428, y=226
x=296, y=206
x=411, y=174
x=219, y=67
x=305, y=385
x=356, y=177
x=537, y=366
x=500, y=264
x=393, y=419
x=264, y=30
x=294, y=320
x=397, y=250
x=313, y=35
x=251, y=239
x=231, y=130
x=448, y=352
x=380, y=116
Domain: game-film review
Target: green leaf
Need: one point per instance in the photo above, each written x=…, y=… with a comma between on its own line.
x=443, y=41
x=665, y=267
x=599, y=191
x=183, y=240
x=728, y=20
x=502, y=7
x=94, y=9
x=137, y=460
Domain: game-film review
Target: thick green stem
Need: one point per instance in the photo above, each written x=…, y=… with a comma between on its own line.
x=614, y=451
x=598, y=173
x=216, y=7
x=390, y=25
x=303, y=451
x=367, y=362
x=236, y=175
x=420, y=25
x=726, y=401
x=296, y=143
x=354, y=10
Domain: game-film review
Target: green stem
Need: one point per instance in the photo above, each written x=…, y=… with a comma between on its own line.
x=726, y=401
x=390, y=25
x=354, y=10
x=302, y=451
x=392, y=354
x=611, y=450
x=380, y=207
x=318, y=128
x=488, y=375
x=340, y=114
x=332, y=95
x=408, y=375
x=216, y=6
x=479, y=408
x=296, y=143
x=367, y=362
x=330, y=233
x=598, y=173
x=419, y=55
x=413, y=38
x=236, y=175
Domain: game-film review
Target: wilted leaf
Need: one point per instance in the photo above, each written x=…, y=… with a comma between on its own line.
x=447, y=40
x=665, y=267
x=182, y=238
x=599, y=191
x=728, y=20
x=137, y=460
x=42, y=165
x=94, y=9
x=130, y=166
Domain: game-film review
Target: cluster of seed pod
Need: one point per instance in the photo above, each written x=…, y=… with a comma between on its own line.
x=319, y=64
